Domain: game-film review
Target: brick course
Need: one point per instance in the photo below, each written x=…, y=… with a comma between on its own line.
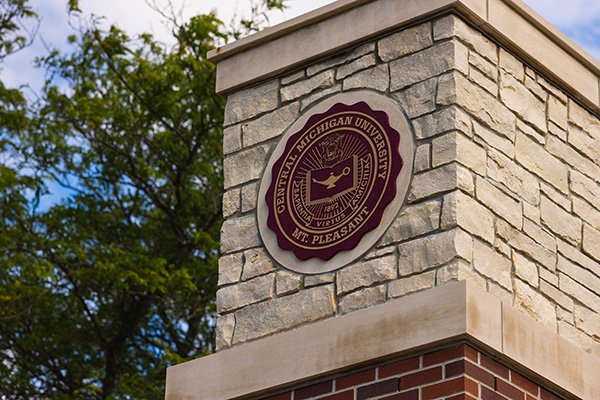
x=457, y=372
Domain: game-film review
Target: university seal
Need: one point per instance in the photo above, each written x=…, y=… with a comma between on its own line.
x=335, y=178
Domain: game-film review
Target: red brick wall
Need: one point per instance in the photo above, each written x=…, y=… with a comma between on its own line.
x=458, y=372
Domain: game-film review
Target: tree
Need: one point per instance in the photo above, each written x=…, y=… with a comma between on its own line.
x=103, y=290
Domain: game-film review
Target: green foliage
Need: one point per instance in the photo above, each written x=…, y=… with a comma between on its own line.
x=102, y=291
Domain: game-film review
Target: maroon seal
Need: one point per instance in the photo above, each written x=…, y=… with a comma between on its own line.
x=333, y=181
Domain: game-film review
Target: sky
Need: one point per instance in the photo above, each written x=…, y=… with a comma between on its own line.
x=578, y=19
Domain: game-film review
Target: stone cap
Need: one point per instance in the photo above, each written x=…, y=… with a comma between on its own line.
x=459, y=311
x=345, y=23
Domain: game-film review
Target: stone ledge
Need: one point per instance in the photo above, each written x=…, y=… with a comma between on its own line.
x=457, y=311
x=331, y=29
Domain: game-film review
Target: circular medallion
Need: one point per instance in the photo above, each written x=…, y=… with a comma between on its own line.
x=335, y=178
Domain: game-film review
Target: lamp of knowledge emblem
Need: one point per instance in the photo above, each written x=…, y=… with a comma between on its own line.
x=331, y=183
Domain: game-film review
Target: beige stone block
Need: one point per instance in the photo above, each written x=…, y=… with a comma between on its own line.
x=585, y=143
x=433, y=251
x=411, y=284
x=532, y=213
x=591, y=243
x=431, y=182
x=376, y=78
x=244, y=166
x=539, y=234
x=458, y=270
x=230, y=269
x=578, y=291
x=454, y=146
x=224, y=331
x=574, y=254
x=331, y=62
x=489, y=138
x=584, y=119
x=552, y=89
x=452, y=25
x=316, y=280
x=556, y=295
x=463, y=211
x=418, y=99
x=249, y=103
x=497, y=201
x=534, y=304
x=537, y=160
x=566, y=153
x=302, y=88
x=586, y=212
x=557, y=131
x=479, y=78
x=316, y=96
x=500, y=292
x=293, y=77
x=239, y=234
x=491, y=264
x=283, y=313
x=465, y=180
x=536, y=88
x=557, y=197
x=362, y=299
x=529, y=130
x=453, y=88
x=484, y=317
x=428, y=63
x=588, y=321
x=510, y=64
x=414, y=220
x=439, y=180
x=548, y=276
x=328, y=64
x=232, y=139
x=520, y=100
x=539, y=348
x=405, y=42
x=445, y=120
x=580, y=339
x=580, y=272
x=231, y=202
x=557, y=112
x=256, y=263
x=249, y=193
x=367, y=273
x=526, y=245
x=525, y=269
x=379, y=252
x=487, y=68
x=270, y=125
x=422, y=158
x=502, y=247
x=560, y=222
x=364, y=62
x=287, y=282
x=243, y=294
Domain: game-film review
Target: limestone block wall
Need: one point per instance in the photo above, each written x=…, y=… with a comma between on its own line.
x=506, y=189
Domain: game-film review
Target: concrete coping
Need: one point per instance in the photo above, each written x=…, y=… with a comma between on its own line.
x=346, y=23
x=455, y=312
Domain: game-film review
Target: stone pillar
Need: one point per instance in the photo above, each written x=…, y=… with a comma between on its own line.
x=480, y=277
